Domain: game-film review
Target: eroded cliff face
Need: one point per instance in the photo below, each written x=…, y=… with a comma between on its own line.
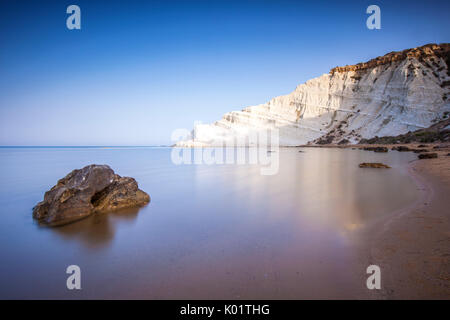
x=390, y=95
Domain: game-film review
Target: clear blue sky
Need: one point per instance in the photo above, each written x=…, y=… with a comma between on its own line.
x=138, y=70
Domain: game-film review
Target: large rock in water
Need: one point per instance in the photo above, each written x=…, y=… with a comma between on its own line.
x=95, y=188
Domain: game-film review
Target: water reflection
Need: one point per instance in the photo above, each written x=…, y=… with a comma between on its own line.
x=316, y=188
x=97, y=230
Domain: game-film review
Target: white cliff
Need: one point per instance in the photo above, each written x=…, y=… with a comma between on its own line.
x=390, y=95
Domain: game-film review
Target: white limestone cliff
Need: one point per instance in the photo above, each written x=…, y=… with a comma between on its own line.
x=390, y=95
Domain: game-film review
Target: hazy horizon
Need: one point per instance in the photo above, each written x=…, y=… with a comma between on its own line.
x=137, y=71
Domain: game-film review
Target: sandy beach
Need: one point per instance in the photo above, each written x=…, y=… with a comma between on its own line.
x=412, y=246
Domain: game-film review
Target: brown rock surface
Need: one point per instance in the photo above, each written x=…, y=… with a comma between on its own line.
x=373, y=165
x=84, y=191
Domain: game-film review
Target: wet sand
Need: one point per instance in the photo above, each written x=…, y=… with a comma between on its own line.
x=412, y=246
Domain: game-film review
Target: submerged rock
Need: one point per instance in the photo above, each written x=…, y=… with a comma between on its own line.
x=95, y=188
x=373, y=165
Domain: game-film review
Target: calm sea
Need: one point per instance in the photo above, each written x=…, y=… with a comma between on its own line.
x=210, y=231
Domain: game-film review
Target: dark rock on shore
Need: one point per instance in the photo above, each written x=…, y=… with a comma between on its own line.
x=427, y=155
x=381, y=149
x=420, y=150
x=95, y=188
x=376, y=149
x=401, y=149
x=373, y=165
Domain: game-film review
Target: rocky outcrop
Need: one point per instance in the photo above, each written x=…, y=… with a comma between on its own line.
x=387, y=96
x=95, y=188
x=420, y=53
x=438, y=132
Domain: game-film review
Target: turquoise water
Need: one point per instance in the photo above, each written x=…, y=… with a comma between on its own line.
x=210, y=231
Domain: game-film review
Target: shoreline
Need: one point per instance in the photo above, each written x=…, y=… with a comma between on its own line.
x=412, y=245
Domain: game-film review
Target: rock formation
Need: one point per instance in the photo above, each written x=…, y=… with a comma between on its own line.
x=390, y=95
x=95, y=188
x=438, y=132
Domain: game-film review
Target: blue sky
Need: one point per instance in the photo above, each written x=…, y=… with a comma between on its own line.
x=138, y=70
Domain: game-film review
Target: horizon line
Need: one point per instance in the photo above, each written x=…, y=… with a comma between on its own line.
x=81, y=146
